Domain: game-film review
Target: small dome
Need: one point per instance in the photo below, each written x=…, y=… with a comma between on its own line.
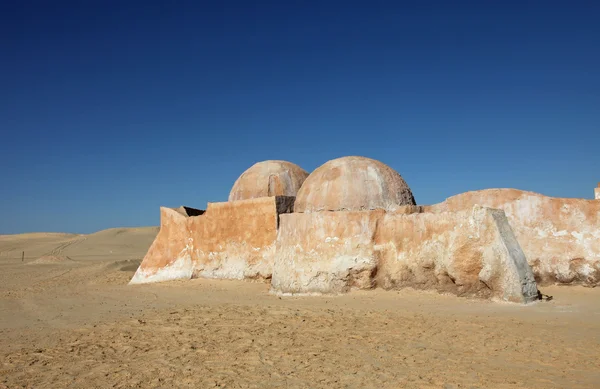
x=268, y=178
x=352, y=184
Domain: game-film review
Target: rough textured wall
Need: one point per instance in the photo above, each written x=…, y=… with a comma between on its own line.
x=268, y=178
x=325, y=252
x=236, y=240
x=470, y=252
x=560, y=236
x=353, y=184
x=467, y=253
x=232, y=240
x=168, y=258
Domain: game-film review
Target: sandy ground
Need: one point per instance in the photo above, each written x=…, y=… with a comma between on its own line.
x=69, y=320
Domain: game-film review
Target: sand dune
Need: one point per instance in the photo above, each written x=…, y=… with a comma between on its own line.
x=73, y=322
x=117, y=243
x=34, y=245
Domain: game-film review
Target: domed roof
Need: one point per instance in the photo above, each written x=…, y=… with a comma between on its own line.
x=268, y=178
x=352, y=184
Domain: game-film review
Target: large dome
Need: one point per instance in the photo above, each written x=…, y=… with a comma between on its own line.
x=352, y=184
x=268, y=178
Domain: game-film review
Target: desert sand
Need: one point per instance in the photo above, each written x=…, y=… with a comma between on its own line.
x=68, y=319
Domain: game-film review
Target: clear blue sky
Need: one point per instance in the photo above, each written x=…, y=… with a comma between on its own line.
x=109, y=109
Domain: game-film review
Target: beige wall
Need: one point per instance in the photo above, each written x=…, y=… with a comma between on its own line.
x=560, y=236
x=466, y=253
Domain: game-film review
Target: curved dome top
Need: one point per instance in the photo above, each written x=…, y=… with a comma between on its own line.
x=268, y=178
x=352, y=184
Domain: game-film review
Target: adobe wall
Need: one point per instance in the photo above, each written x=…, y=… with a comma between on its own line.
x=560, y=236
x=325, y=252
x=467, y=253
x=472, y=253
x=236, y=240
x=232, y=240
x=168, y=258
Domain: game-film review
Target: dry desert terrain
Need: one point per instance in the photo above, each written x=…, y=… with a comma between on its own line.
x=68, y=319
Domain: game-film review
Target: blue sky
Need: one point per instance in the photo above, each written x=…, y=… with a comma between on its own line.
x=109, y=109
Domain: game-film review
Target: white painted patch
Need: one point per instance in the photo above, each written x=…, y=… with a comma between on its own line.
x=181, y=268
x=234, y=264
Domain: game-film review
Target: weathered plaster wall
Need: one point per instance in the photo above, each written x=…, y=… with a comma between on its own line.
x=232, y=240
x=466, y=253
x=235, y=240
x=325, y=252
x=560, y=236
x=168, y=258
x=471, y=252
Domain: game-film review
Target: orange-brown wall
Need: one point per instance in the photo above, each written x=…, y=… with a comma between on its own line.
x=230, y=240
x=168, y=257
x=235, y=239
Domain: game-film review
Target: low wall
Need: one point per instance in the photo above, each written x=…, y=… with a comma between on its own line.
x=235, y=240
x=559, y=236
x=232, y=240
x=168, y=258
x=467, y=253
x=325, y=252
x=473, y=253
